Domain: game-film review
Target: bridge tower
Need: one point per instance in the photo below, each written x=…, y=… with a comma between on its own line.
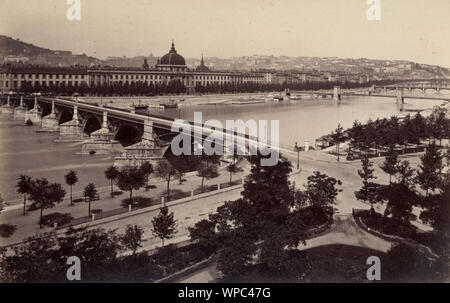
x=337, y=93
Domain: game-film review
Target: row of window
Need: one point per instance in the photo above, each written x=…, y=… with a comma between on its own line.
x=48, y=76
x=18, y=84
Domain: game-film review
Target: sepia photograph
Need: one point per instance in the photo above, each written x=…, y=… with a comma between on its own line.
x=242, y=144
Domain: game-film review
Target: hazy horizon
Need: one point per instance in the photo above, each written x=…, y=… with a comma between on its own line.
x=408, y=30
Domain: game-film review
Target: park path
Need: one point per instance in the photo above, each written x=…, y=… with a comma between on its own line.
x=28, y=225
x=344, y=231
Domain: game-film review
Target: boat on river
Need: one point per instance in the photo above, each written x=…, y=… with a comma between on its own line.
x=171, y=104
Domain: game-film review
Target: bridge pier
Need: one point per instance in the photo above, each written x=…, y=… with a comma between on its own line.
x=50, y=122
x=337, y=93
x=102, y=140
x=400, y=97
x=148, y=150
x=34, y=114
x=71, y=131
x=7, y=108
x=20, y=111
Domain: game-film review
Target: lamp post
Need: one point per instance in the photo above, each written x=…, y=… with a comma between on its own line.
x=297, y=149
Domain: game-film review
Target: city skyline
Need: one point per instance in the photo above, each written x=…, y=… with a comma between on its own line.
x=308, y=29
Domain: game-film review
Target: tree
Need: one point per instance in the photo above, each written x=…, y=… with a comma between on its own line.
x=438, y=123
x=71, y=178
x=132, y=238
x=429, y=175
x=183, y=164
x=90, y=193
x=112, y=173
x=421, y=130
x=368, y=192
x=164, y=224
x=204, y=232
x=322, y=190
x=338, y=136
x=401, y=200
x=130, y=178
x=404, y=173
x=179, y=175
x=24, y=187
x=207, y=171
x=147, y=169
x=233, y=168
x=405, y=263
x=436, y=212
x=390, y=163
x=44, y=195
x=42, y=258
x=356, y=135
x=266, y=205
x=31, y=260
x=166, y=171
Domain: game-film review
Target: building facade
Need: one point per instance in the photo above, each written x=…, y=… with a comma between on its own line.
x=170, y=67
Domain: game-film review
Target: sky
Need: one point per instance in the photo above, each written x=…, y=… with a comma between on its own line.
x=416, y=30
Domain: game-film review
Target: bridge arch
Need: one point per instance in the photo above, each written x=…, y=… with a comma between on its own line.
x=430, y=90
x=91, y=124
x=46, y=109
x=128, y=134
x=65, y=116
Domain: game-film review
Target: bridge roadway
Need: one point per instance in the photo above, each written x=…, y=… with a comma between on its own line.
x=157, y=121
x=117, y=113
x=367, y=95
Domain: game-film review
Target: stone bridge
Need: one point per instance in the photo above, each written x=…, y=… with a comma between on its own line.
x=104, y=129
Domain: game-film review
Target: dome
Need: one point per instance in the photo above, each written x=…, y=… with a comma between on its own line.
x=172, y=58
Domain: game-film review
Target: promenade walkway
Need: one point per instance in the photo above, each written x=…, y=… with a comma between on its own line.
x=28, y=225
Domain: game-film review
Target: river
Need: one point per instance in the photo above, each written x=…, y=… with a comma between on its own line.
x=25, y=151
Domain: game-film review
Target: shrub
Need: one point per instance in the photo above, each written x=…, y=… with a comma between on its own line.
x=175, y=194
x=61, y=219
x=29, y=122
x=138, y=202
x=6, y=230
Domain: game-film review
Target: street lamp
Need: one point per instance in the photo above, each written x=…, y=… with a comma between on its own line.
x=297, y=149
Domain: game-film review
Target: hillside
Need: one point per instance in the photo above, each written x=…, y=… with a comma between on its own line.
x=14, y=50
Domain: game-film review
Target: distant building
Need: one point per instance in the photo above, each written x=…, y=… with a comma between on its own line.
x=16, y=59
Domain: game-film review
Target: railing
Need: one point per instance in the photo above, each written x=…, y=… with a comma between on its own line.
x=131, y=208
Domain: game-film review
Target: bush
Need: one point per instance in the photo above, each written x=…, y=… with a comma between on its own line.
x=175, y=194
x=386, y=225
x=61, y=219
x=138, y=202
x=29, y=122
x=6, y=230
x=405, y=263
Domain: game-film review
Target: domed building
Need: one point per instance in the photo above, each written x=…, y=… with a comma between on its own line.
x=171, y=70
x=172, y=61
